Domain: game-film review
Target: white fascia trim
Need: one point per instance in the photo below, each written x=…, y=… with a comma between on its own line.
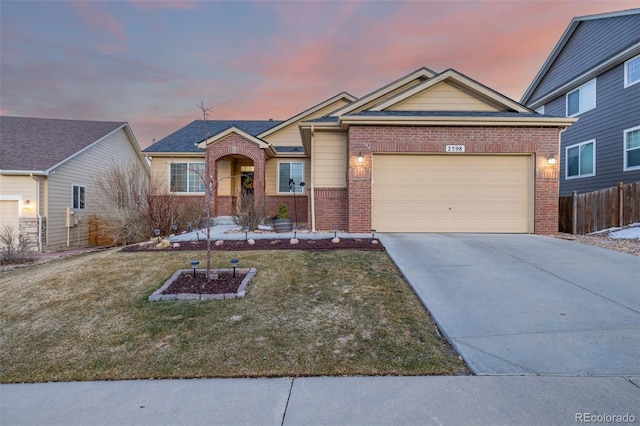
x=588, y=75
x=457, y=121
x=24, y=172
x=422, y=72
x=233, y=129
x=456, y=77
x=306, y=113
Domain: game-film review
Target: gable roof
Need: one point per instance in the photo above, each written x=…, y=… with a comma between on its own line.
x=601, y=41
x=340, y=96
x=379, y=94
x=460, y=81
x=187, y=138
x=233, y=129
x=39, y=144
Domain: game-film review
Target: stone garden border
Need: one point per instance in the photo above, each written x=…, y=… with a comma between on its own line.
x=157, y=295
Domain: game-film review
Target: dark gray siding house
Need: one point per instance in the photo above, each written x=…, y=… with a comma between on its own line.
x=593, y=73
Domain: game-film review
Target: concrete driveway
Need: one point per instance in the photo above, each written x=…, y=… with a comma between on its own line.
x=527, y=304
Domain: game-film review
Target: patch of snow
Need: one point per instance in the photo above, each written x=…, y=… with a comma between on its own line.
x=628, y=233
x=603, y=231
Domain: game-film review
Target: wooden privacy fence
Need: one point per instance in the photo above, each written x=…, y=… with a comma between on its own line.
x=593, y=211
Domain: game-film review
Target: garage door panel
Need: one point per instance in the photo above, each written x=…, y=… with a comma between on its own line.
x=486, y=193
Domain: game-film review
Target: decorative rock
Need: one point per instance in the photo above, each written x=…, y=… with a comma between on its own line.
x=176, y=245
x=293, y=241
x=335, y=240
x=163, y=244
x=374, y=242
x=219, y=243
x=251, y=242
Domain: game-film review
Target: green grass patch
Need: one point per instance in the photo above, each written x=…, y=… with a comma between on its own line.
x=305, y=314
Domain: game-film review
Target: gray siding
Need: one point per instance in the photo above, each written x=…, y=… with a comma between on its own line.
x=592, y=42
x=84, y=169
x=617, y=109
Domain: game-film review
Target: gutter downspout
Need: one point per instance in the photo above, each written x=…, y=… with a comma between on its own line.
x=38, y=211
x=312, y=186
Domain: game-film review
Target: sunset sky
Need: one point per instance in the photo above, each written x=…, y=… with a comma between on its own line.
x=151, y=62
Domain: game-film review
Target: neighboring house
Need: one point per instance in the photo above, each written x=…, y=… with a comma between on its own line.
x=593, y=73
x=429, y=152
x=47, y=172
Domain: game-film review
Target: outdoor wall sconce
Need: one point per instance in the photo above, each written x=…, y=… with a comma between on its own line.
x=26, y=205
x=551, y=160
x=234, y=263
x=360, y=159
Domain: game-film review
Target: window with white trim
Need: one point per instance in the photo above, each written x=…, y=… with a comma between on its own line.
x=581, y=160
x=79, y=197
x=186, y=177
x=632, y=149
x=582, y=99
x=632, y=71
x=288, y=171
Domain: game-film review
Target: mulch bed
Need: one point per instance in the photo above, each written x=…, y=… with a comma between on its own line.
x=186, y=283
x=268, y=244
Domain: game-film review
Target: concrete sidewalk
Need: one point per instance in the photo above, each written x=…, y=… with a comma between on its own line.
x=461, y=400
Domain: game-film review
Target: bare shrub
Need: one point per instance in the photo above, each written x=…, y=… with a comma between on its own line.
x=192, y=211
x=13, y=246
x=132, y=206
x=249, y=211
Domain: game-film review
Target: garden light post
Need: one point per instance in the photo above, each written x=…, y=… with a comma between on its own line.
x=157, y=232
x=234, y=263
x=246, y=233
x=194, y=265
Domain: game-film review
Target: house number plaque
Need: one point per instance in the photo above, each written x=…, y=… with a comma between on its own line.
x=454, y=148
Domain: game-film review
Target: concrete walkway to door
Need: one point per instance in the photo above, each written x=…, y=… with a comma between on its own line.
x=527, y=304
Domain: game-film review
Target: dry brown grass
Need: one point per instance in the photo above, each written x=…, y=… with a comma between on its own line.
x=338, y=313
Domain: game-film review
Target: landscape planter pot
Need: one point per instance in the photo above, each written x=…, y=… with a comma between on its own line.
x=283, y=225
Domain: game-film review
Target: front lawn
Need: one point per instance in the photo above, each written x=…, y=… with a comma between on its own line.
x=306, y=313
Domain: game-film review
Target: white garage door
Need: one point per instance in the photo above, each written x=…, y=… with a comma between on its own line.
x=452, y=193
x=9, y=214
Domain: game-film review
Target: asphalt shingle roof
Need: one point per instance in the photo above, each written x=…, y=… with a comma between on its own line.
x=185, y=139
x=36, y=144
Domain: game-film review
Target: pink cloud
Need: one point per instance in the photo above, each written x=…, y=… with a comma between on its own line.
x=164, y=4
x=99, y=19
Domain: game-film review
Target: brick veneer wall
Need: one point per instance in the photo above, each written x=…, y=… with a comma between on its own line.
x=235, y=145
x=367, y=140
x=272, y=205
x=331, y=209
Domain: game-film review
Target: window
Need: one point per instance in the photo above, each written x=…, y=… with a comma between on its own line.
x=287, y=171
x=581, y=160
x=581, y=99
x=632, y=149
x=632, y=71
x=79, y=196
x=186, y=177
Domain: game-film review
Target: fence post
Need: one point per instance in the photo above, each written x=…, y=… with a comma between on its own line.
x=621, y=204
x=574, y=212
